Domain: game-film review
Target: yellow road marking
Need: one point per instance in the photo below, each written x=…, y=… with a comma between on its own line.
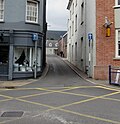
x=5, y=96
x=87, y=100
x=74, y=103
x=4, y=100
x=33, y=95
x=84, y=115
x=76, y=94
x=61, y=107
x=35, y=103
x=111, y=99
x=108, y=88
x=89, y=116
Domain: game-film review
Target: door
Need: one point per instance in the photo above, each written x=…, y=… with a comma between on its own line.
x=4, y=60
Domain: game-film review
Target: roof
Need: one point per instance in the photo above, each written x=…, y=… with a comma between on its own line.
x=54, y=35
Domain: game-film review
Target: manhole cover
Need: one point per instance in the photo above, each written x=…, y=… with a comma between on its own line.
x=12, y=114
x=10, y=87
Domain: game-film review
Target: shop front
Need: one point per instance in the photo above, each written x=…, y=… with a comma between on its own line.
x=19, y=56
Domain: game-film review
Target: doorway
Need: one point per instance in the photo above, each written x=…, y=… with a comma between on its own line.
x=4, y=60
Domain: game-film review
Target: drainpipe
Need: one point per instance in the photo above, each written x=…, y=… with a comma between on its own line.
x=11, y=50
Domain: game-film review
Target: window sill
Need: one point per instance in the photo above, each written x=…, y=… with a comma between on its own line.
x=116, y=58
x=116, y=7
x=1, y=21
x=32, y=23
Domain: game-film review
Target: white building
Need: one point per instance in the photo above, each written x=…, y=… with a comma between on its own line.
x=78, y=43
x=91, y=46
x=51, y=47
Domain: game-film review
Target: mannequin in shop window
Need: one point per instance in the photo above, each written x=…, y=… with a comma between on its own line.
x=21, y=59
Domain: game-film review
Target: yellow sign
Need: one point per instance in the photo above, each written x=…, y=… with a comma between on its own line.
x=108, y=32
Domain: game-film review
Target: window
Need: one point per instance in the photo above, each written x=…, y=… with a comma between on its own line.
x=76, y=23
x=76, y=3
x=50, y=44
x=76, y=51
x=70, y=33
x=24, y=59
x=73, y=8
x=56, y=44
x=117, y=2
x=72, y=28
x=82, y=13
x=117, y=43
x=1, y=10
x=70, y=15
x=32, y=11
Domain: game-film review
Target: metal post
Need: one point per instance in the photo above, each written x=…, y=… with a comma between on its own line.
x=10, y=72
x=110, y=74
x=35, y=68
x=89, y=67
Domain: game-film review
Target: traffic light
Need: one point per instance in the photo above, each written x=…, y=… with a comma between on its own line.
x=1, y=36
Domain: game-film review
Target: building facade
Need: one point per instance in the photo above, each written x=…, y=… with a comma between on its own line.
x=22, y=36
x=62, y=46
x=94, y=35
x=51, y=47
x=52, y=41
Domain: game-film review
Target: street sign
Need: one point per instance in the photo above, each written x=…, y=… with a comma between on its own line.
x=35, y=36
x=90, y=36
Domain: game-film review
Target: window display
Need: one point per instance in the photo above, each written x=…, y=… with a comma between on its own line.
x=24, y=59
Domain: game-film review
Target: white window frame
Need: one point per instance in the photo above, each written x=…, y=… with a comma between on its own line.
x=31, y=21
x=116, y=3
x=2, y=19
x=116, y=54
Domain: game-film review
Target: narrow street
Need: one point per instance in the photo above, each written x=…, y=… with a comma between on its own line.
x=60, y=97
x=59, y=75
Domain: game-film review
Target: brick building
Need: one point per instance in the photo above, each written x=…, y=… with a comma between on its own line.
x=94, y=35
x=62, y=46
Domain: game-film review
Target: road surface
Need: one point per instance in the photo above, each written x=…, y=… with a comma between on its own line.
x=60, y=97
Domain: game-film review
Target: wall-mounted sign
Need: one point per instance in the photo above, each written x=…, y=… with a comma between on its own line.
x=35, y=36
x=90, y=36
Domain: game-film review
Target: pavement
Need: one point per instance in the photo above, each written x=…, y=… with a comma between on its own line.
x=23, y=82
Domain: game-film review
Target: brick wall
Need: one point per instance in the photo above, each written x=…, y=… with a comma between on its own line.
x=105, y=46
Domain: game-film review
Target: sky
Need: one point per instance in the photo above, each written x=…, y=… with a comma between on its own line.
x=57, y=14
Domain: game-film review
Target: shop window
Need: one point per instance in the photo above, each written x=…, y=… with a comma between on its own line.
x=24, y=59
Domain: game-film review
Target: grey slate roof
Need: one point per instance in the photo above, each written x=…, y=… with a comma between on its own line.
x=54, y=35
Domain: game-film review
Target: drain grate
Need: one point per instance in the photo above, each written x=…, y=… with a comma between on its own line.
x=12, y=114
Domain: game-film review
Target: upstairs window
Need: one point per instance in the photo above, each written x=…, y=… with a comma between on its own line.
x=1, y=10
x=82, y=13
x=118, y=2
x=32, y=11
x=76, y=23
